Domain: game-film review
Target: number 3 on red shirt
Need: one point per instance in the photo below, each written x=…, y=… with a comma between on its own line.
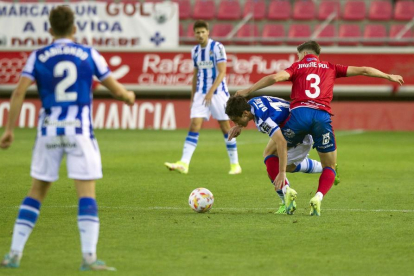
x=314, y=85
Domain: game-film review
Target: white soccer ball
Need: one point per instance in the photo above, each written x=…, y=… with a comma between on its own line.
x=201, y=200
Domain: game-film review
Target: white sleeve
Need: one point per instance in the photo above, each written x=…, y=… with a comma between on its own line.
x=28, y=70
x=102, y=70
x=220, y=53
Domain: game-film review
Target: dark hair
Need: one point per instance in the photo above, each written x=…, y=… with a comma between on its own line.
x=200, y=24
x=61, y=20
x=236, y=105
x=310, y=45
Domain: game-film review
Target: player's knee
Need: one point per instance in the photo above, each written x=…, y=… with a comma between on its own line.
x=290, y=168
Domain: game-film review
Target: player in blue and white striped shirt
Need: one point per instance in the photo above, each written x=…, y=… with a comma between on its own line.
x=63, y=72
x=270, y=114
x=209, y=95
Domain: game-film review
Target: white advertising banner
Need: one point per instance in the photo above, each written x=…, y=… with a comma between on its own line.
x=103, y=24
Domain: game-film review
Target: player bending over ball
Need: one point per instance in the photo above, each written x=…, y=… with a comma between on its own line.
x=270, y=114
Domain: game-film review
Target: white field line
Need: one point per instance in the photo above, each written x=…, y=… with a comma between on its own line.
x=221, y=209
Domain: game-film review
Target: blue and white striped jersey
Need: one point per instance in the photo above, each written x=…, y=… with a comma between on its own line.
x=206, y=60
x=63, y=72
x=269, y=113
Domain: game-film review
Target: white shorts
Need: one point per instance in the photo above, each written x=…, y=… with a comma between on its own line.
x=83, y=158
x=216, y=109
x=297, y=154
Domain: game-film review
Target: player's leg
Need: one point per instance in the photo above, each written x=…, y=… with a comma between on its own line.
x=26, y=219
x=218, y=111
x=46, y=159
x=199, y=113
x=190, y=145
x=88, y=223
x=84, y=166
x=325, y=144
x=298, y=160
x=231, y=147
x=286, y=194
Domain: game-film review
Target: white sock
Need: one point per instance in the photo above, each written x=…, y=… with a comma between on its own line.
x=231, y=149
x=26, y=220
x=88, y=223
x=190, y=145
x=320, y=195
x=281, y=195
x=309, y=166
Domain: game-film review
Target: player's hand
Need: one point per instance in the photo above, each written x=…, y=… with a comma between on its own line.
x=234, y=132
x=207, y=99
x=279, y=181
x=243, y=92
x=130, y=99
x=6, y=139
x=396, y=78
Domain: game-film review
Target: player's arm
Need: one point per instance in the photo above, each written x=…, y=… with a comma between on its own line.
x=16, y=103
x=234, y=132
x=372, y=72
x=119, y=91
x=221, y=68
x=281, y=147
x=265, y=82
x=194, y=83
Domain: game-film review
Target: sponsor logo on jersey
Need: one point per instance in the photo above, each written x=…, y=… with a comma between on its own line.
x=288, y=133
x=265, y=127
x=48, y=123
x=205, y=64
x=61, y=145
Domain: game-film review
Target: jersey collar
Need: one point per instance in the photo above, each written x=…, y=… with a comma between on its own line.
x=62, y=41
x=310, y=58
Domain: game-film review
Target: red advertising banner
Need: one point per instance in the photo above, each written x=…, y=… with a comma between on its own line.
x=171, y=71
x=175, y=114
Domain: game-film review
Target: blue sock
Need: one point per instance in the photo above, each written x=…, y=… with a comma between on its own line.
x=88, y=223
x=26, y=220
x=309, y=166
x=190, y=145
x=231, y=149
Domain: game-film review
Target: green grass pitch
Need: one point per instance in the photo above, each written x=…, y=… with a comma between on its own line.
x=147, y=227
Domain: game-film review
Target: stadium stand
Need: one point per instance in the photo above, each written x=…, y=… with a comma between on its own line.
x=257, y=7
x=377, y=32
x=273, y=31
x=184, y=8
x=279, y=10
x=299, y=33
x=304, y=10
x=404, y=10
x=247, y=31
x=349, y=34
x=354, y=10
x=395, y=30
x=204, y=9
x=380, y=10
x=229, y=10
x=326, y=36
x=282, y=22
x=326, y=8
x=221, y=30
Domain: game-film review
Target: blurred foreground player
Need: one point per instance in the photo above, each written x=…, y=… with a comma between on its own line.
x=63, y=73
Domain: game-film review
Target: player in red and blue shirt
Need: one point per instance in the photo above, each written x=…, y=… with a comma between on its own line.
x=312, y=92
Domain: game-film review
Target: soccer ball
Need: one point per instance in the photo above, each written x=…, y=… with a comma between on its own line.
x=201, y=200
